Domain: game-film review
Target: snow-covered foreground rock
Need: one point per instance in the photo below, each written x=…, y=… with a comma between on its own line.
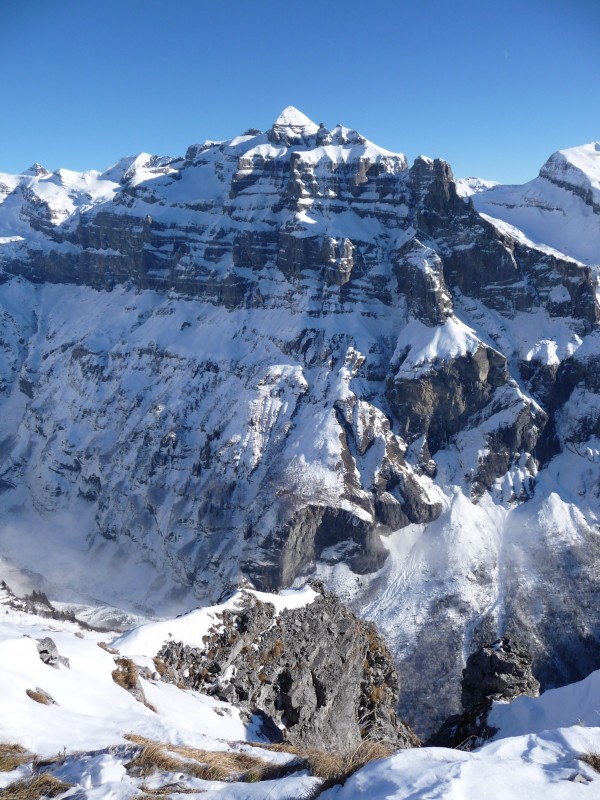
x=293, y=353
x=91, y=710
x=96, y=727
x=94, y=736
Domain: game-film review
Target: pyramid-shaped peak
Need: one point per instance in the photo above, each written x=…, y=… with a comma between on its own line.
x=291, y=117
x=36, y=169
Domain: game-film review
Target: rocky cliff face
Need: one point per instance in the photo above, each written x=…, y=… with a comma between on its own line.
x=497, y=671
x=318, y=673
x=293, y=352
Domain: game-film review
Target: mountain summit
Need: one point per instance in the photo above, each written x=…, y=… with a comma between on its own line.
x=560, y=208
x=295, y=120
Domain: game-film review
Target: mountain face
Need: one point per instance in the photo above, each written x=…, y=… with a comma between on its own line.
x=559, y=208
x=291, y=353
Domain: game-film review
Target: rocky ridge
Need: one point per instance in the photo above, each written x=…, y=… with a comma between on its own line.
x=317, y=673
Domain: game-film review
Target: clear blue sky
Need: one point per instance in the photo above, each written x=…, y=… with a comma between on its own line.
x=492, y=87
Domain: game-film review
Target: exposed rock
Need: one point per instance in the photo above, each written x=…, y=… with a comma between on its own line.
x=318, y=672
x=499, y=671
x=49, y=653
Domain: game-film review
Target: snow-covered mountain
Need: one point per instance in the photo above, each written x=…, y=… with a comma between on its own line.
x=291, y=353
x=560, y=208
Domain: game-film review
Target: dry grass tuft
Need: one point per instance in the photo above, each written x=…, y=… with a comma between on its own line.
x=40, y=696
x=35, y=788
x=333, y=768
x=126, y=674
x=165, y=791
x=12, y=756
x=160, y=666
x=206, y=764
x=108, y=649
x=593, y=759
x=276, y=747
x=127, y=677
x=154, y=758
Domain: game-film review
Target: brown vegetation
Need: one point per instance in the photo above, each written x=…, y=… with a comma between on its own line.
x=40, y=696
x=331, y=767
x=593, y=759
x=127, y=677
x=12, y=756
x=34, y=788
x=206, y=764
x=159, y=665
x=108, y=649
x=126, y=674
x=336, y=768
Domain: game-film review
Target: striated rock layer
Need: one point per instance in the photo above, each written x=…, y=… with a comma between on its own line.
x=291, y=352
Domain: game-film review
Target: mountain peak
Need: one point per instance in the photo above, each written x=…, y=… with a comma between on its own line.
x=291, y=117
x=576, y=168
x=292, y=127
x=37, y=170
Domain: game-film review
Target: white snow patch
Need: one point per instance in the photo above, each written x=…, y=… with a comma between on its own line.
x=190, y=628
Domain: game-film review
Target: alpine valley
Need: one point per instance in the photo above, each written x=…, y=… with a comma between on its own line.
x=293, y=356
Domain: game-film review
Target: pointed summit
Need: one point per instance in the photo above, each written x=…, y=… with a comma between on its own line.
x=37, y=170
x=292, y=127
x=291, y=117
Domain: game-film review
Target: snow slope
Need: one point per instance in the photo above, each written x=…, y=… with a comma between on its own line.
x=535, y=754
x=91, y=715
x=540, y=767
x=575, y=704
x=560, y=208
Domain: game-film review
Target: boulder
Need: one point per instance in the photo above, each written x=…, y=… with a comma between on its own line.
x=49, y=653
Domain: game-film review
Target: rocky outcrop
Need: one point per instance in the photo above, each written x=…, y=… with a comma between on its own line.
x=49, y=654
x=499, y=671
x=317, y=673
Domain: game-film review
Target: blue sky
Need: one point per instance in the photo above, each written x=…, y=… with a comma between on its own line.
x=492, y=87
